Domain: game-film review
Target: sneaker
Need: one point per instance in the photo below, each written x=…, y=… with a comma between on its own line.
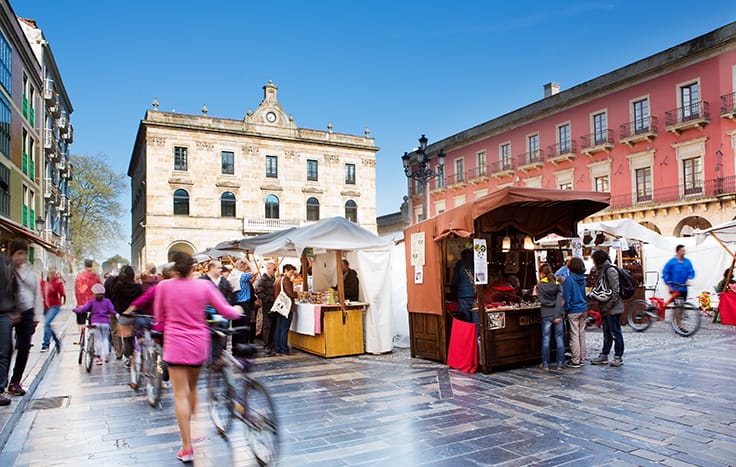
x=600, y=360
x=574, y=365
x=98, y=361
x=126, y=362
x=560, y=367
x=544, y=366
x=4, y=400
x=44, y=348
x=185, y=455
x=617, y=361
x=15, y=389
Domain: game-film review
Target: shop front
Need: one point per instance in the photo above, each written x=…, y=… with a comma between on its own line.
x=499, y=228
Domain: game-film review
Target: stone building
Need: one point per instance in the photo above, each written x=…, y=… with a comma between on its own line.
x=659, y=134
x=197, y=180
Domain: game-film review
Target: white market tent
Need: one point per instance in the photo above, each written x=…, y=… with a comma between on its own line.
x=629, y=229
x=367, y=253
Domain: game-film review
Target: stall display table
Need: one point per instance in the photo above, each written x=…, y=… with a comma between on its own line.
x=333, y=333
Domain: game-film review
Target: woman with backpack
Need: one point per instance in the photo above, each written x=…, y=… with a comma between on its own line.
x=611, y=306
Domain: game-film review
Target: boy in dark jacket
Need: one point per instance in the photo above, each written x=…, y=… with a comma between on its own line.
x=549, y=294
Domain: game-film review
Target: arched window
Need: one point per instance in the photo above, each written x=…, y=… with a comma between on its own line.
x=227, y=204
x=272, y=207
x=312, y=209
x=351, y=211
x=179, y=246
x=181, y=202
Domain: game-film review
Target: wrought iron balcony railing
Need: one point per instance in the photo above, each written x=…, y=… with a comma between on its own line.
x=692, y=112
x=640, y=126
x=565, y=148
x=670, y=194
x=728, y=104
x=599, y=139
x=530, y=158
x=501, y=166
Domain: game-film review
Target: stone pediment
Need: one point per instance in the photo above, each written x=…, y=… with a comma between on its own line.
x=313, y=189
x=228, y=183
x=271, y=187
x=270, y=115
x=354, y=193
x=181, y=180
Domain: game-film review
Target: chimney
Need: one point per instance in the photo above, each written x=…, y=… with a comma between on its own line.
x=550, y=89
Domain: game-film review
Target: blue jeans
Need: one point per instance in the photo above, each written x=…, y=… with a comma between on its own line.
x=23, y=332
x=612, y=335
x=6, y=348
x=559, y=340
x=48, y=333
x=281, y=336
x=464, y=305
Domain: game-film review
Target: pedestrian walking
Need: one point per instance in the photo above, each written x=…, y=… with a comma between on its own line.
x=281, y=337
x=53, y=297
x=124, y=291
x=179, y=306
x=611, y=306
x=676, y=274
x=576, y=308
x=83, y=290
x=549, y=294
x=264, y=288
x=7, y=308
x=101, y=310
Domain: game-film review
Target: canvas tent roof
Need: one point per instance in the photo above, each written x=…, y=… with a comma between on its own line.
x=629, y=229
x=250, y=243
x=724, y=232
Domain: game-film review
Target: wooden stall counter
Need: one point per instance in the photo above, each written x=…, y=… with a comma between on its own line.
x=326, y=331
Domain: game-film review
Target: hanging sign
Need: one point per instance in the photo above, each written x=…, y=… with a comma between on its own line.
x=480, y=261
x=577, y=248
x=419, y=274
x=417, y=249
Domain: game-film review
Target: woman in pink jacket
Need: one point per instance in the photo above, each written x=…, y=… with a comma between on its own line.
x=179, y=307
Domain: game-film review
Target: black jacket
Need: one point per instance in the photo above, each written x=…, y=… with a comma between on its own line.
x=224, y=286
x=265, y=291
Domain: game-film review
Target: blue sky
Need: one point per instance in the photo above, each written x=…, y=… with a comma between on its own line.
x=398, y=68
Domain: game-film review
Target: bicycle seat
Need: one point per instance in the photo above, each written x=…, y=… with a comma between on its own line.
x=245, y=350
x=157, y=334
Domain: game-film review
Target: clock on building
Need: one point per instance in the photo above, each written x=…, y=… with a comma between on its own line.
x=271, y=117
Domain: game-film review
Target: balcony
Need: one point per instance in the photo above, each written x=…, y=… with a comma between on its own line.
x=561, y=152
x=530, y=160
x=677, y=194
x=263, y=225
x=695, y=115
x=456, y=181
x=49, y=141
x=61, y=164
x=502, y=168
x=55, y=108
x=49, y=93
x=728, y=106
x=599, y=141
x=70, y=134
x=62, y=122
x=478, y=175
x=437, y=184
x=47, y=194
x=644, y=129
x=63, y=205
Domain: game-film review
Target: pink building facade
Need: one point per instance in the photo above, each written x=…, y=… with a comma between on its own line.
x=659, y=134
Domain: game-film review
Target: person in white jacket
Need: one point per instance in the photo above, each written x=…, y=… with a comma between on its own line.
x=28, y=310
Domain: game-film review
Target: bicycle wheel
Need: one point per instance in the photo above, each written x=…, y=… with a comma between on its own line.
x=136, y=366
x=220, y=393
x=153, y=374
x=261, y=423
x=637, y=316
x=686, y=319
x=81, y=346
x=89, y=351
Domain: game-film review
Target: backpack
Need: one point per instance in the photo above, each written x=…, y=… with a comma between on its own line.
x=626, y=284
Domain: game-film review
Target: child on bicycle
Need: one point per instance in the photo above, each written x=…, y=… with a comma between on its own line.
x=100, y=309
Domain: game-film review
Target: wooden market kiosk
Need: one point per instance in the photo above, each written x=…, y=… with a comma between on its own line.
x=510, y=334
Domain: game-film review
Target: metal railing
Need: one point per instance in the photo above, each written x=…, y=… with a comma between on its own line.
x=563, y=148
x=669, y=194
x=638, y=127
x=478, y=172
x=502, y=166
x=531, y=157
x=268, y=225
x=728, y=103
x=695, y=111
x=598, y=138
x=460, y=177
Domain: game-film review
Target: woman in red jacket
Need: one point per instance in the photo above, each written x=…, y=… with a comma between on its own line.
x=52, y=290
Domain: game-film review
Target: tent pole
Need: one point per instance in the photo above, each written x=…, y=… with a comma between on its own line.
x=340, y=284
x=305, y=272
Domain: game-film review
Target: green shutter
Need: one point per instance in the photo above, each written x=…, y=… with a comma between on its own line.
x=32, y=170
x=32, y=218
x=32, y=118
x=25, y=163
x=31, y=255
x=25, y=216
x=25, y=106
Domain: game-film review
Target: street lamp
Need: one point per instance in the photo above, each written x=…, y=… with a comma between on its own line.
x=421, y=171
x=40, y=222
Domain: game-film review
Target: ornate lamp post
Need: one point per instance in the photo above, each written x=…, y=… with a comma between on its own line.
x=420, y=171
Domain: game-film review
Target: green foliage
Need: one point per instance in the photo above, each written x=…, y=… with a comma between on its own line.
x=95, y=191
x=111, y=264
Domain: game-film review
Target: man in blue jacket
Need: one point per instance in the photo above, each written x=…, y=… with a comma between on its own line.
x=677, y=272
x=462, y=284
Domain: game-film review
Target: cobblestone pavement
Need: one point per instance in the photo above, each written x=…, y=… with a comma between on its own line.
x=672, y=403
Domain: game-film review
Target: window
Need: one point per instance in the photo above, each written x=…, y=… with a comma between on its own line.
x=533, y=142
x=690, y=96
x=600, y=128
x=312, y=170
x=6, y=65
x=180, y=158
x=272, y=167
x=25, y=96
x=31, y=158
x=227, y=204
x=181, y=203
x=644, y=184
x=459, y=170
x=312, y=209
x=481, y=163
x=350, y=174
x=4, y=190
x=692, y=175
x=24, y=151
x=228, y=162
x=566, y=186
x=641, y=116
x=272, y=207
x=25, y=206
x=351, y=211
x=601, y=183
x=31, y=107
x=506, y=156
x=4, y=125
x=32, y=209
x=441, y=176
x=563, y=136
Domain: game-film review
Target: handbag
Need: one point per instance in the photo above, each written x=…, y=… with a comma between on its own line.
x=282, y=304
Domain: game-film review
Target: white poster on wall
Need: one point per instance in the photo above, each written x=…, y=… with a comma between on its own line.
x=419, y=274
x=577, y=248
x=480, y=261
x=417, y=249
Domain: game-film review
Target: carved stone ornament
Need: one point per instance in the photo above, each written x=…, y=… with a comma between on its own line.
x=368, y=162
x=271, y=188
x=332, y=158
x=350, y=193
x=312, y=189
x=156, y=140
x=291, y=155
x=250, y=150
x=205, y=146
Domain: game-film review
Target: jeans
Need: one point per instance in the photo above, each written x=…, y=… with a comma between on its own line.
x=48, y=332
x=102, y=340
x=6, y=348
x=612, y=335
x=23, y=332
x=281, y=336
x=559, y=340
x=464, y=307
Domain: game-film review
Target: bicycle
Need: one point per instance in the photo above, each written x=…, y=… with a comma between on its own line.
x=147, y=360
x=87, y=345
x=685, y=319
x=248, y=401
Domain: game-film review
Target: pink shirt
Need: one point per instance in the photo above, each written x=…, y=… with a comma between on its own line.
x=179, y=306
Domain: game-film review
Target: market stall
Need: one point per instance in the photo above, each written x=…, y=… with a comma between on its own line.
x=496, y=227
x=725, y=235
x=326, y=323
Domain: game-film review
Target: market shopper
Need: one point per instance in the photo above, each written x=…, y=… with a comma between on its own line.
x=576, y=309
x=281, y=337
x=124, y=290
x=83, y=290
x=178, y=307
x=549, y=293
x=264, y=288
x=53, y=297
x=7, y=308
x=100, y=310
x=463, y=286
x=676, y=273
x=611, y=306
x=245, y=298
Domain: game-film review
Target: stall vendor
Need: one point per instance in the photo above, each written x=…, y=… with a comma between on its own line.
x=350, y=282
x=463, y=286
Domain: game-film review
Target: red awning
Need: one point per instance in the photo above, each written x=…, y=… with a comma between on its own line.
x=20, y=231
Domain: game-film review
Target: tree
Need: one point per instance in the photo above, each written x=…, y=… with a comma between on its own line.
x=111, y=264
x=94, y=190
